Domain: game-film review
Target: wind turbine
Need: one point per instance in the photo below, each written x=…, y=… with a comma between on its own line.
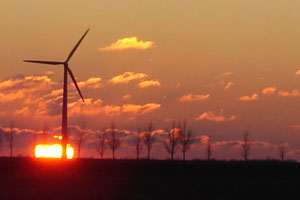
x=67, y=70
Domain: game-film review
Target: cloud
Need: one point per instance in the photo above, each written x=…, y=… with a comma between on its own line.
x=47, y=107
x=41, y=97
x=226, y=74
x=127, y=96
x=297, y=73
x=253, y=97
x=211, y=116
x=110, y=110
x=202, y=139
x=56, y=92
x=127, y=77
x=194, y=97
x=93, y=82
x=95, y=107
x=89, y=107
x=237, y=144
x=293, y=93
x=10, y=96
x=24, y=111
x=229, y=85
x=128, y=43
x=227, y=143
x=149, y=83
x=140, y=109
x=269, y=90
x=25, y=82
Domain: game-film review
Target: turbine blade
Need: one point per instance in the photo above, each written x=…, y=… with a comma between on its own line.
x=44, y=62
x=76, y=46
x=75, y=83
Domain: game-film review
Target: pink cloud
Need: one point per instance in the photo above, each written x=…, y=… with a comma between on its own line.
x=143, y=109
x=93, y=82
x=253, y=97
x=8, y=97
x=127, y=96
x=293, y=93
x=24, y=111
x=269, y=90
x=128, y=43
x=211, y=116
x=194, y=97
x=149, y=83
x=91, y=107
x=127, y=77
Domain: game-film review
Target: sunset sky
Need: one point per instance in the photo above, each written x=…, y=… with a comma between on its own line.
x=224, y=66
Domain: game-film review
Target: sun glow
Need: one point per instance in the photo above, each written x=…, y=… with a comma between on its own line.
x=59, y=137
x=52, y=151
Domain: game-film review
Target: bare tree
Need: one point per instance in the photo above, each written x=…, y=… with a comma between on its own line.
x=185, y=138
x=101, y=143
x=149, y=139
x=282, y=148
x=246, y=146
x=114, y=140
x=10, y=136
x=209, y=148
x=171, y=142
x=80, y=138
x=46, y=129
x=138, y=143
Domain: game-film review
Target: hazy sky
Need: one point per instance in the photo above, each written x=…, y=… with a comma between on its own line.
x=224, y=66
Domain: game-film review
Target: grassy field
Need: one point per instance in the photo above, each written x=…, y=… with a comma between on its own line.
x=26, y=178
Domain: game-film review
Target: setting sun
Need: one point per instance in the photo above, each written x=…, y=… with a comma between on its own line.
x=52, y=151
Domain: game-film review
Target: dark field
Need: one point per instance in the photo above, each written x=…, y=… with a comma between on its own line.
x=25, y=178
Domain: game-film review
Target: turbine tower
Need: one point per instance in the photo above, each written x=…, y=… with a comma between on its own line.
x=64, y=129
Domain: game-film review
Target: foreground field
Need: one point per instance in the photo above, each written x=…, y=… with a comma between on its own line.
x=25, y=178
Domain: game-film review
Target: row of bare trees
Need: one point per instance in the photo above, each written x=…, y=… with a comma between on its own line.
x=246, y=148
x=179, y=137
x=108, y=137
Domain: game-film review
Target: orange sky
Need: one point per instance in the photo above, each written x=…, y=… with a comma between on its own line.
x=225, y=66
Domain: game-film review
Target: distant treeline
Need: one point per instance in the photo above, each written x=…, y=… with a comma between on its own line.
x=178, y=138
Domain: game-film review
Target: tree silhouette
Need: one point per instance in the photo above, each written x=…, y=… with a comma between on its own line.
x=80, y=138
x=101, y=143
x=46, y=129
x=246, y=146
x=282, y=148
x=149, y=139
x=138, y=143
x=10, y=136
x=209, y=148
x=114, y=140
x=171, y=142
x=185, y=138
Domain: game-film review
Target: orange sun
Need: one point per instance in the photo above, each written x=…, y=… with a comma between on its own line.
x=52, y=151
